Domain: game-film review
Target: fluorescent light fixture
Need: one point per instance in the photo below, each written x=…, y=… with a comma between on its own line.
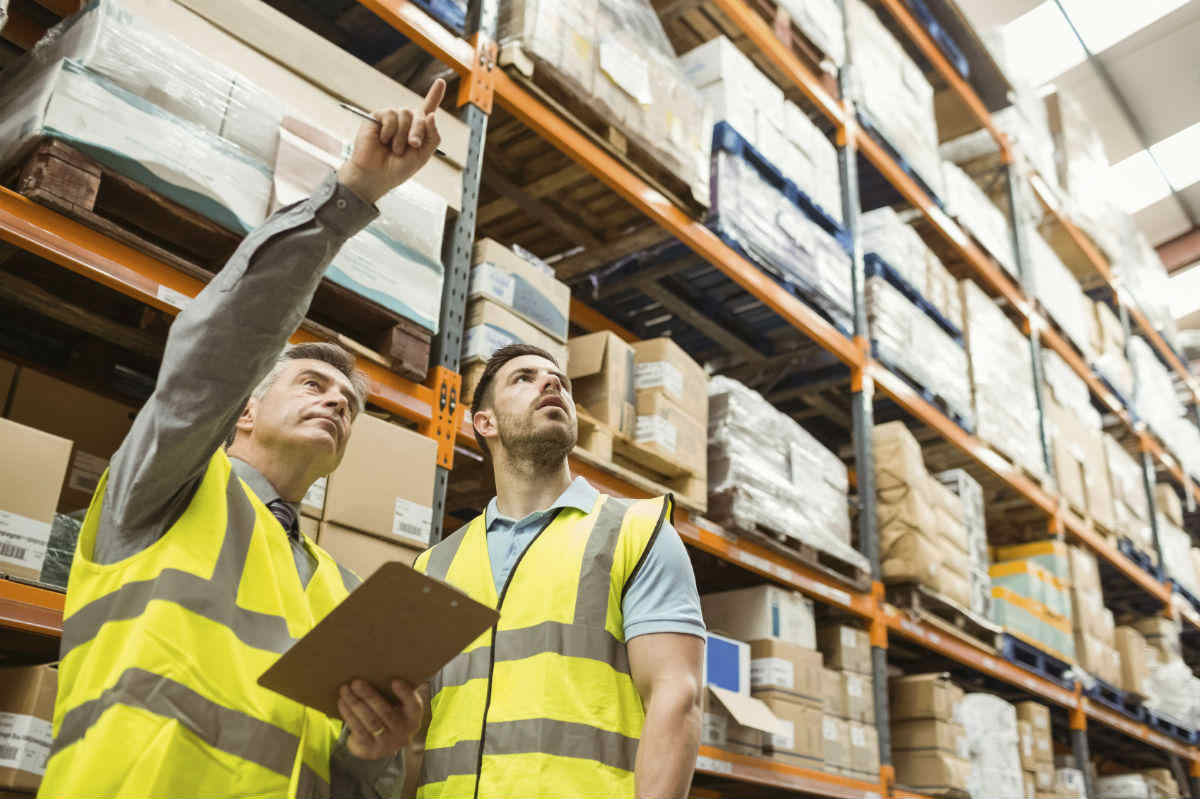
x=1041, y=45
x=1185, y=292
x=1179, y=156
x=1136, y=182
x=1103, y=23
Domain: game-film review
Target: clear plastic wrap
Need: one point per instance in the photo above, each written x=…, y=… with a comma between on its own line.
x=821, y=21
x=1059, y=292
x=816, y=168
x=1174, y=691
x=907, y=339
x=990, y=724
x=1069, y=389
x=1006, y=414
x=615, y=57
x=978, y=214
x=1177, y=554
x=60, y=549
x=1142, y=272
x=1182, y=437
x=1123, y=786
x=882, y=233
x=894, y=93
x=1155, y=400
x=779, y=237
x=765, y=471
x=1108, y=350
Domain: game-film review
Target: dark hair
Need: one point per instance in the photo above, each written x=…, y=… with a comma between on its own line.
x=483, y=389
x=327, y=352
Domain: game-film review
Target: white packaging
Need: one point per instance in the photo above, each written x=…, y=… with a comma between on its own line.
x=764, y=611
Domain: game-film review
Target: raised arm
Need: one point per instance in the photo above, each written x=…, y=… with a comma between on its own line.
x=226, y=339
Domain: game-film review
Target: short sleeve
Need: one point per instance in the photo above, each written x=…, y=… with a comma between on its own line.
x=662, y=596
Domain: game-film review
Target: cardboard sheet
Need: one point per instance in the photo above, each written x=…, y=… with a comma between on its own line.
x=397, y=624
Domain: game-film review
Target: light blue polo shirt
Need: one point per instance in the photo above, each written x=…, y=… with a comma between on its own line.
x=662, y=597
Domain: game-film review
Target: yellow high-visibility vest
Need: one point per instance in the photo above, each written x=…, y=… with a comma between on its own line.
x=161, y=652
x=543, y=704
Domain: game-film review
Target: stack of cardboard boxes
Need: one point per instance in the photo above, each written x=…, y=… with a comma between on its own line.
x=1033, y=721
x=1175, y=542
x=969, y=491
x=886, y=235
x=1031, y=595
x=364, y=515
x=851, y=741
x=1131, y=509
x=1095, y=630
x=511, y=300
x=1131, y=648
x=928, y=744
x=26, y=710
x=922, y=529
x=1060, y=293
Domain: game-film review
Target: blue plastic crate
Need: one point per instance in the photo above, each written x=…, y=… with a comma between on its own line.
x=940, y=35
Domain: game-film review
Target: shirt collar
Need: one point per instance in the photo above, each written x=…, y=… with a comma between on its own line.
x=579, y=495
x=260, y=485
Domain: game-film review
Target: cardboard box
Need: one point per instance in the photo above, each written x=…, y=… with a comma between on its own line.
x=361, y=553
x=836, y=747
x=601, y=368
x=789, y=669
x=1029, y=782
x=384, y=485
x=1026, y=746
x=736, y=722
x=1167, y=502
x=662, y=367
x=864, y=748
x=1037, y=714
x=944, y=736
x=97, y=425
x=858, y=697
x=507, y=279
x=761, y=611
x=727, y=664
x=31, y=475
x=665, y=439
x=924, y=696
x=832, y=693
x=310, y=527
x=490, y=326
x=930, y=769
x=898, y=460
x=1131, y=646
x=798, y=740
x=845, y=648
x=1043, y=776
x=26, y=710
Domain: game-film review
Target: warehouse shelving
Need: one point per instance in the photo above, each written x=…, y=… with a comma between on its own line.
x=135, y=274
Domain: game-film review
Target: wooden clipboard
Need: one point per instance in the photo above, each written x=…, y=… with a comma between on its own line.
x=398, y=624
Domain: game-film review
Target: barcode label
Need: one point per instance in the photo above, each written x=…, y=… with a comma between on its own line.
x=23, y=540
x=412, y=520
x=13, y=551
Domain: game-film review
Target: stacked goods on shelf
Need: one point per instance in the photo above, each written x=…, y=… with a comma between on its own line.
x=26, y=709
x=971, y=206
x=896, y=99
x=1108, y=351
x=1069, y=784
x=821, y=21
x=784, y=681
x=511, y=300
x=1005, y=406
x=614, y=57
x=813, y=164
x=1175, y=542
x=767, y=474
x=1131, y=507
x=922, y=530
x=1183, y=438
x=95, y=83
x=1033, y=718
x=1161, y=783
x=1123, y=786
x=1059, y=292
x=368, y=515
x=1031, y=595
x=1073, y=432
x=969, y=491
x=884, y=234
x=731, y=719
x=929, y=744
x=1131, y=648
x=851, y=741
x=1142, y=272
x=1172, y=690
x=1154, y=400
x=1095, y=629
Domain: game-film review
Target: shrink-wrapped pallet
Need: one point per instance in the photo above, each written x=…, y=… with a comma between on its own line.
x=992, y=740
x=979, y=215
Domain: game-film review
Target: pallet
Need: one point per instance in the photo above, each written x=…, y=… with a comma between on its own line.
x=1168, y=726
x=945, y=614
x=1143, y=560
x=690, y=23
x=63, y=178
x=1125, y=703
x=1016, y=649
x=1188, y=596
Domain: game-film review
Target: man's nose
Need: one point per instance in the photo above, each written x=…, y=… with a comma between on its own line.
x=336, y=400
x=551, y=381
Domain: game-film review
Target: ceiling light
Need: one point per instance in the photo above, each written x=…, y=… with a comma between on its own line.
x=1177, y=155
x=1136, y=182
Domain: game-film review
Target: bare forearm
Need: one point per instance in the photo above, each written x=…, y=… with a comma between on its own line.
x=670, y=740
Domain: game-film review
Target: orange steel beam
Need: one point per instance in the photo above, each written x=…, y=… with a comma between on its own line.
x=917, y=33
x=592, y=320
x=990, y=274
x=135, y=274
x=760, y=771
x=1150, y=443
x=35, y=610
x=554, y=129
x=429, y=35
x=761, y=34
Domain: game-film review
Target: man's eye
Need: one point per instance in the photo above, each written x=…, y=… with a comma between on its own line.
x=312, y=383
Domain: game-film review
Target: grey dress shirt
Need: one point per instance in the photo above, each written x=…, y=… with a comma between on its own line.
x=220, y=347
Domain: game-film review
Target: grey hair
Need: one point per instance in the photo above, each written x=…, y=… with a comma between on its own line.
x=323, y=351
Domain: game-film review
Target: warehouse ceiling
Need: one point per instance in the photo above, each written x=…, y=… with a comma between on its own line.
x=1149, y=48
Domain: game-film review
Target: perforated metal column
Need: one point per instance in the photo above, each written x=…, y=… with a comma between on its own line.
x=1083, y=759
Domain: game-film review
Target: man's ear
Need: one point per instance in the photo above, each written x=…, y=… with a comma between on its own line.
x=484, y=422
x=245, y=422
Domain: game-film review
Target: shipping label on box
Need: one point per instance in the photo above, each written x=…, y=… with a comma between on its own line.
x=30, y=483
x=22, y=543
x=506, y=278
x=787, y=668
x=26, y=707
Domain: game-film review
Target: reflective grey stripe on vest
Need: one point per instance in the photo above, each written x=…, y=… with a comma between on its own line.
x=595, y=578
x=350, y=580
x=550, y=636
x=532, y=736
x=222, y=728
x=442, y=554
x=215, y=599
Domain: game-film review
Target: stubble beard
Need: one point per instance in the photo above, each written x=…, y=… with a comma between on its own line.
x=540, y=450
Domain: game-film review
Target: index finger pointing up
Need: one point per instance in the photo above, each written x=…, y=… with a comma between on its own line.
x=434, y=96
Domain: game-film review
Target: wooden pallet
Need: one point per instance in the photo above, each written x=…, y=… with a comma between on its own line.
x=63, y=178
x=1017, y=649
x=945, y=614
